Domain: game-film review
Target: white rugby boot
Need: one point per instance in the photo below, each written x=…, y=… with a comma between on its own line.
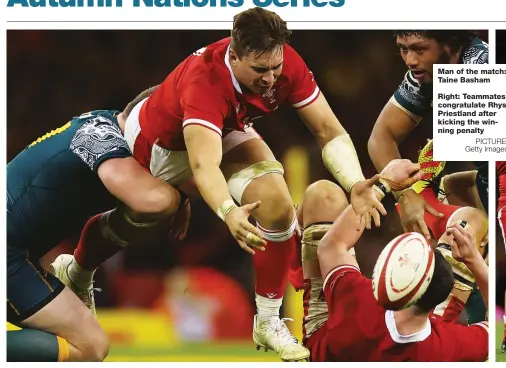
x=83, y=292
x=274, y=335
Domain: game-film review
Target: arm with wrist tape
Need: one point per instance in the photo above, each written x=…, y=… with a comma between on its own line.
x=205, y=164
x=391, y=128
x=334, y=248
x=340, y=158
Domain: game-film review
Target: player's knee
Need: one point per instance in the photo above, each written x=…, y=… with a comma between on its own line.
x=277, y=206
x=323, y=202
x=97, y=348
x=325, y=193
x=264, y=182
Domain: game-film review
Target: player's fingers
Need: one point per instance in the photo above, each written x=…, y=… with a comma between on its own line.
x=417, y=176
x=254, y=241
x=458, y=228
x=359, y=220
x=257, y=234
x=424, y=229
x=415, y=228
x=379, y=206
x=376, y=217
x=367, y=217
x=458, y=235
x=412, y=180
x=414, y=168
x=432, y=210
x=243, y=245
x=455, y=250
x=252, y=206
x=370, y=182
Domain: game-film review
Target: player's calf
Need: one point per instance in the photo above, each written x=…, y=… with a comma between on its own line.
x=276, y=220
x=77, y=329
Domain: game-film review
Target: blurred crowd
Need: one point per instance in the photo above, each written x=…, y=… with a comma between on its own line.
x=54, y=75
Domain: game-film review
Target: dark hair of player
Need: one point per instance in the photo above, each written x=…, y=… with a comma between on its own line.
x=144, y=94
x=455, y=39
x=440, y=286
x=258, y=31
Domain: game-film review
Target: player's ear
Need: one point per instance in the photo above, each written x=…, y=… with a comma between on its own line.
x=234, y=58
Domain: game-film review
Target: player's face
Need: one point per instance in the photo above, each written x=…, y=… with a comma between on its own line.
x=420, y=54
x=258, y=73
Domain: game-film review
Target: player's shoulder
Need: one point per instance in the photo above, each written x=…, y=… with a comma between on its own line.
x=94, y=115
x=97, y=124
x=208, y=70
x=344, y=272
x=289, y=51
x=292, y=60
x=476, y=52
x=410, y=83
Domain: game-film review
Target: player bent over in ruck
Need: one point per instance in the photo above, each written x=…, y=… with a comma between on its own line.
x=53, y=187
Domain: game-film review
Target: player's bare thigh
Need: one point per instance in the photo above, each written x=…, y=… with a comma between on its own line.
x=322, y=203
x=66, y=316
x=276, y=211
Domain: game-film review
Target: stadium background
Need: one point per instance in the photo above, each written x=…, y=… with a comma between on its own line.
x=193, y=300
x=500, y=253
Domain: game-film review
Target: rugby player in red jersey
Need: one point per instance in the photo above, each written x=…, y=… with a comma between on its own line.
x=199, y=123
x=342, y=319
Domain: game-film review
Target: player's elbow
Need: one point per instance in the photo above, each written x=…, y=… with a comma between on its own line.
x=202, y=166
x=159, y=201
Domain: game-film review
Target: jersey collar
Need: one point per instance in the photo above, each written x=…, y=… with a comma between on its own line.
x=234, y=80
x=405, y=339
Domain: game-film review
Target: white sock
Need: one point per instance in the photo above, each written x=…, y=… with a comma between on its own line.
x=79, y=275
x=268, y=309
x=504, y=319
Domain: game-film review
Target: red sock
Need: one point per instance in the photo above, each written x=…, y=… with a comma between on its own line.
x=93, y=249
x=271, y=265
x=295, y=274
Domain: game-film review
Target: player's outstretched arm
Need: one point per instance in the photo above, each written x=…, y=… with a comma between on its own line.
x=334, y=247
x=391, y=128
x=205, y=152
x=321, y=121
x=340, y=158
x=149, y=197
x=464, y=250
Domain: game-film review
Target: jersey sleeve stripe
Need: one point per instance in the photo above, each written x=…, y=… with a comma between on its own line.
x=308, y=100
x=415, y=117
x=202, y=123
x=337, y=269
